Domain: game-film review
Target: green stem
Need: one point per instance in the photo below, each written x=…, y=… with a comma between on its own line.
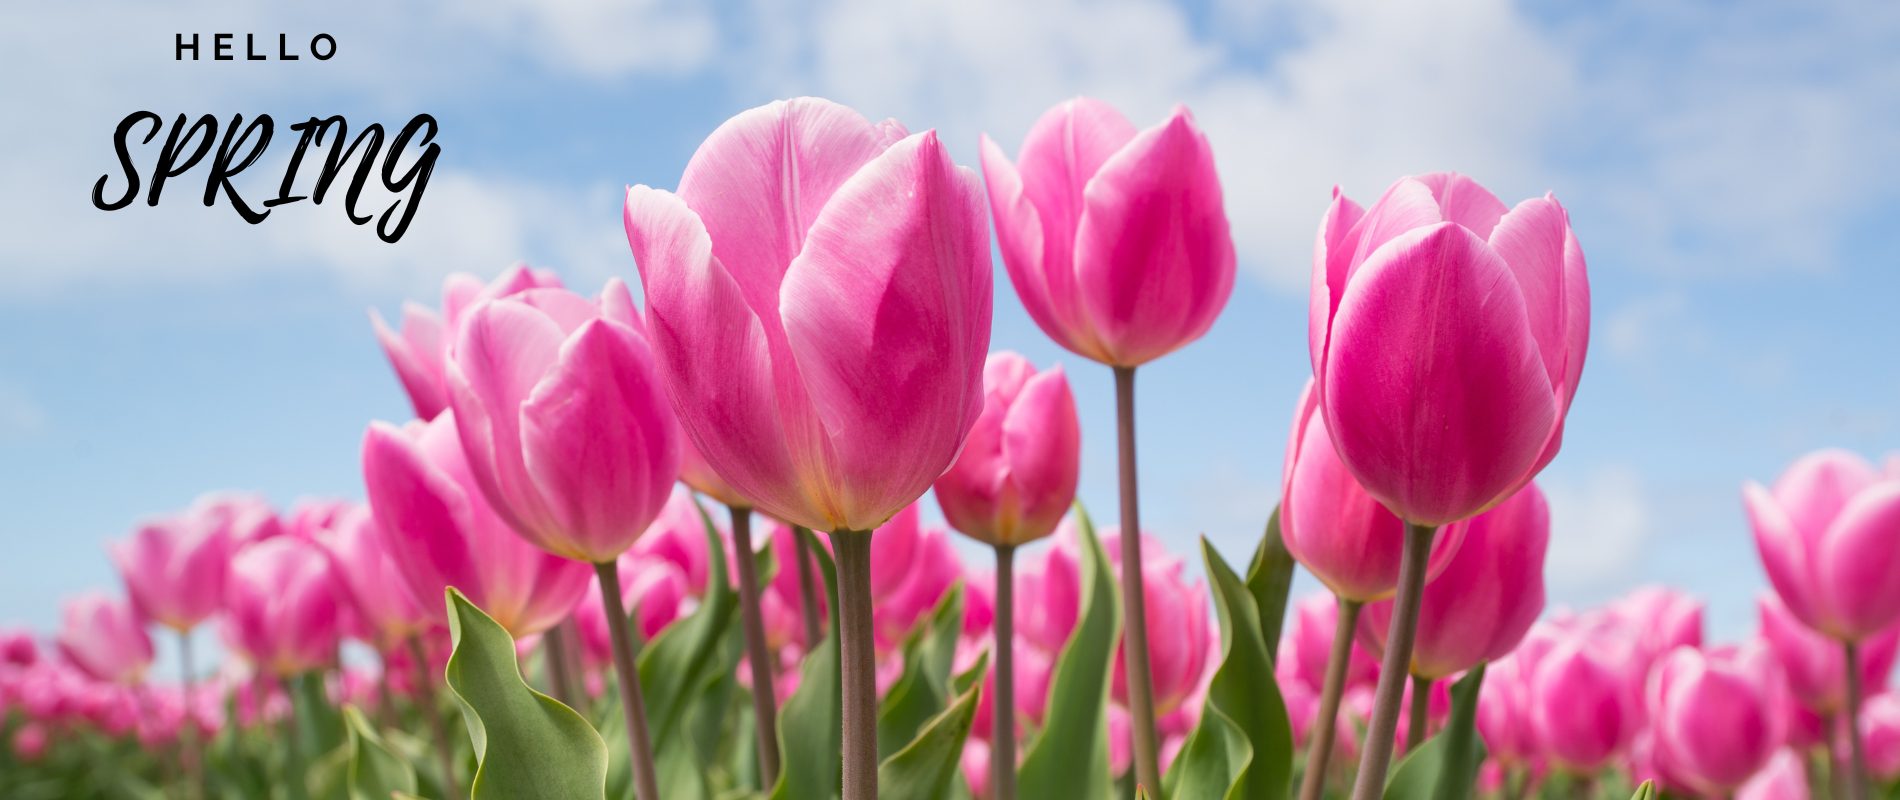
x=1857, y=769
x=1141, y=691
x=859, y=663
x=632, y=700
x=425, y=702
x=758, y=656
x=1376, y=757
x=1319, y=747
x=1421, y=704
x=807, y=590
x=1003, y=710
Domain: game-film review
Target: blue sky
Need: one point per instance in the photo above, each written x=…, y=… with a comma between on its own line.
x=1727, y=166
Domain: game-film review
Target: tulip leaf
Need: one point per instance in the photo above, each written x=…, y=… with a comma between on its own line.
x=1243, y=700
x=924, y=688
x=375, y=771
x=1270, y=579
x=811, y=724
x=319, y=726
x=927, y=767
x=1445, y=767
x=1069, y=758
x=964, y=680
x=526, y=743
x=1646, y=791
x=680, y=658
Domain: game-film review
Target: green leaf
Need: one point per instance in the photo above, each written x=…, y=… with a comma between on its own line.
x=679, y=660
x=1242, y=695
x=526, y=743
x=811, y=725
x=319, y=726
x=1069, y=758
x=375, y=771
x=1445, y=767
x=927, y=767
x=1647, y=791
x=1270, y=579
x=969, y=677
x=921, y=692
x=1416, y=777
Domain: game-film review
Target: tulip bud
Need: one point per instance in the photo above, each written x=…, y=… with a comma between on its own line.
x=1016, y=476
x=1829, y=533
x=1880, y=735
x=419, y=351
x=1308, y=642
x=1581, y=706
x=1816, y=665
x=281, y=606
x=371, y=582
x=1785, y=778
x=104, y=638
x=1718, y=715
x=174, y=569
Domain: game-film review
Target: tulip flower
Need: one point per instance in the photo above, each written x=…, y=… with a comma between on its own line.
x=1813, y=662
x=281, y=606
x=911, y=568
x=1447, y=335
x=246, y=518
x=654, y=593
x=838, y=274
x=18, y=649
x=1829, y=533
x=1177, y=616
x=1581, y=708
x=174, y=570
x=419, y=350
x=1117, y=241
x=372, y=582
x=1880, y=733
x=1785, y=778
x=1504, y=712
x=1665, y=619
x=1718, y=715
x=105, y=638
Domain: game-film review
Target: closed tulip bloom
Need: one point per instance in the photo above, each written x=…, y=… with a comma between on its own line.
x=818, y=292
x=1664, y=617
x=281, y=606
x=1049, y=594
x=441, y=532
x=1829, y=534
x=174, y=569
x=419, y=349
x=1016, y=476
x=366, y=571
x=1178, y=633
x=1718, y=715
x=246, y=518
x=1308, y=640
x=1785, y=778
x=1115, y=238
x=911, y=569
x=1814, y=664
x=1581, y=707
x=568, y=432
x=1504, y=712
x=104, y=637
x=1447, y=336
x=678, y=535
x=1340, y=533
x=1486, y=599
x=1880, y=734
x=18, y=649
x=654, y=592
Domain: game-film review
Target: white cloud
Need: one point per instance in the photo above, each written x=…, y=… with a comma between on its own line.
x=600, y=38
x=20, y=417
x=1599, y=526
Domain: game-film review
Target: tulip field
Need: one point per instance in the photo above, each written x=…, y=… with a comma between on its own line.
x=682, y=549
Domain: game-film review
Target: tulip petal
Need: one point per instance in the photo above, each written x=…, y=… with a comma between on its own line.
x=1783, y=555
x=1857, y=577
x=1334, y=236
x=598, y=439
x=416, y=353
x=1817, y=486
x=1531, y=239
x=422, y=512
x=888, y=313
x=1577, y=308
x=1153, y=253
x=1042, y=444
x=1046, y=288
x=1067, y=147
x=616, y=303
x=1464, y=201
x=1440, y=431
x=504, y=350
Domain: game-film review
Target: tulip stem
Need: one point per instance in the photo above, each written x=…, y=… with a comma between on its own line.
x=807, y=593
x=1856, y=786
x=859, y=662
x=1836, y=788
x=1421, y=704
x=1141, y=692
x=764, y=703
x=554, y=659
x=1003, y=709
x=425, y=701
x=632, y=699
x=1319, y=748
x=192, y=753
x=1377, y=755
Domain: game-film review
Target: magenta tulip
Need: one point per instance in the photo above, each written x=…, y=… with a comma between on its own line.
x=419, y=350
x=1785, y=778
x=1665, y=619
x=1017, y=474
x=174, y=569
x=1116, y=239
x=18, y=649
x=1718, y=715
x=441, y=532
x=1177, y=625
x=568, y=432
x=1504, y=712
x=653, y=592
x=1582, y=709
x=372, y=582
x=1487, y=597
x=678, y=536
x=1828, y=534
x=246, y=518
x=281, y=606
x=911, y=568
x=1880, y=732
x=1308, y=640
x=1813, y=663
x=1347, y=539
x=105, y=638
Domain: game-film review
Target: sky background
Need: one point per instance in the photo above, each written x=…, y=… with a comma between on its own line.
x=1728, y=167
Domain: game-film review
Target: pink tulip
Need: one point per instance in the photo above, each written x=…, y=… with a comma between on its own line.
x=1828, y=535
x=1178, y=633
x=1116, y=239
x=653, y=592
x=1718, y=715
x=699, y=474
x=313, y=518
x=1815, y=664
x=174, y=569
x=1308, y=642
x=1358, y=701
x=1664, y=618
x=1335, y=529
x=1033, y=667
x=1447, y=336
x=419, y=351
x=1486, y=598
x=785, y=591
x=911, y=569
x=1785, y=778
x=1504, y=712
x=29, y=742
x=1880, y=735
x=1049, y=594
x=1806, y=729
x=441, y=531
x=567, y=430
x=246, y=518
x=281, y=606
x=105, y=638
x=678, y=536
x=837, y=273
x=1581, y=708
x=372, y=582
x=18, y=649
x=1017, y=474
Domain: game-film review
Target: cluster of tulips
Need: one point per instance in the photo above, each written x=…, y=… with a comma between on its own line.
x=813, y=357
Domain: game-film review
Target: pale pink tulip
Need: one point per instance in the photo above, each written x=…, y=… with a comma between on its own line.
x=313, y=518
x=174, y=569
x=281, y=606
x=1116, y=239
x=366, y=571
x=1815, y=664
x=1485, y=600
x=1880, y=735
x=419, y=351
x=1829, y=534
x=567, y=430
x=819, y=300
x=441, y=532
x=105, y=638
x=1718, y=715
x=1347, y=539
x=1447, y=335
x=1785, y=778
x=1017, y=474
